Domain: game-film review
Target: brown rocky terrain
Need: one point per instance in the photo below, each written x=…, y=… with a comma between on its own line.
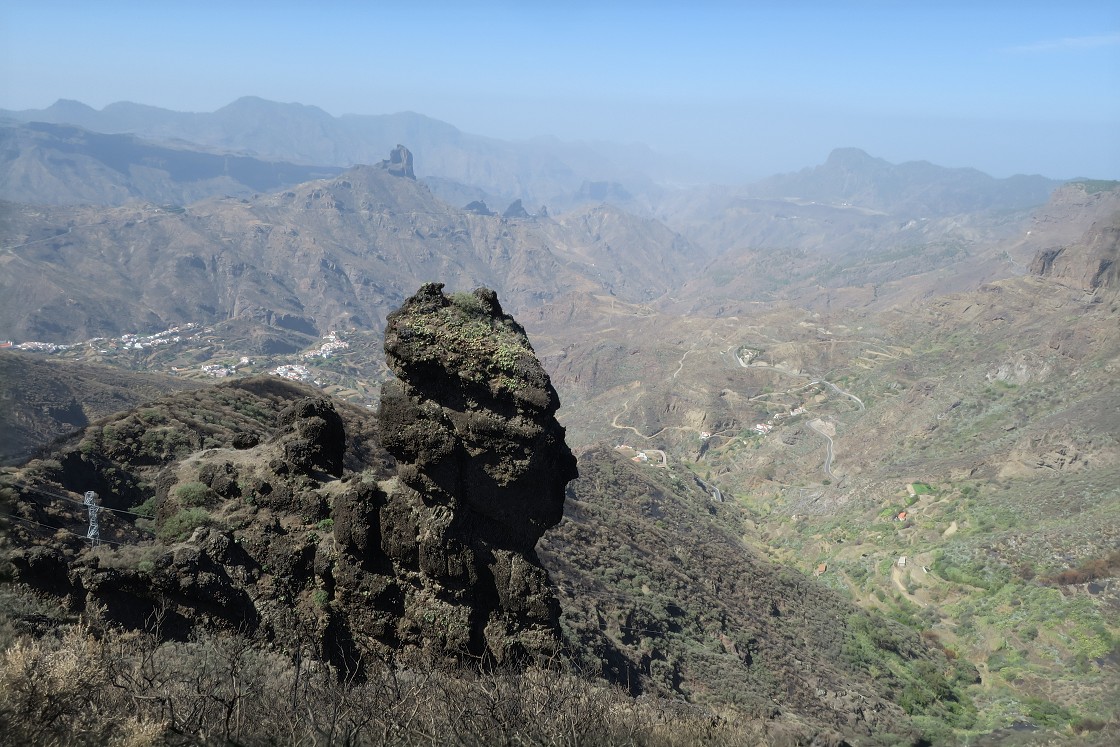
x=999, y=402
x=339, y=253
x=1088, y=263
x=938, y=439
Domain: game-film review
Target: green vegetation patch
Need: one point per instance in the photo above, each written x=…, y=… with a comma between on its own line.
x=180, y=526
x=193, y=494
x=922, y=688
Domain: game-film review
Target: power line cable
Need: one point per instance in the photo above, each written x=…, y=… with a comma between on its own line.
x=59, y=496
x=60, y=529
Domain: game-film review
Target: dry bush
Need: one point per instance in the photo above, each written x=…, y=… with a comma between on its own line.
x=130, y=689
x=56, y=692
x=1093, y=569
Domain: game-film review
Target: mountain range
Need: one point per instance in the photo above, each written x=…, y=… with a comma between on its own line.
x=882, y=385
x=535, y=170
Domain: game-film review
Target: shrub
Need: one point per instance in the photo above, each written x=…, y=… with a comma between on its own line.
x=147, y=508
x=180, y=525
x=467, y=302
x=193, y=494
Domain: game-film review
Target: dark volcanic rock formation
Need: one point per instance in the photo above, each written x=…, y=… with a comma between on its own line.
x=472, y=418
x=400, y=162
x=478, y=207
x=516, y=210
x=425, y=543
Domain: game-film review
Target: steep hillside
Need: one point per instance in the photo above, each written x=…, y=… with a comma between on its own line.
x=953, y=460
x=45, y=399
x=656, y=583
x=333, y=254
x=1088, y=263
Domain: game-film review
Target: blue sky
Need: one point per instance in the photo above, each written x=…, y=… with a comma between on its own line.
x=757, y=88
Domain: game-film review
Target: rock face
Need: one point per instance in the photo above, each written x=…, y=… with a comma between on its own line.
x=484, y=466
x=400, y=162
x=412, y=532
x=313, y=437
x=1091, y=266
x=478, y=207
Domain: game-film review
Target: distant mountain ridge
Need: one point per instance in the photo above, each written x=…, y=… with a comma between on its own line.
x=536, y=170
x=853, y=177
x=52, y=164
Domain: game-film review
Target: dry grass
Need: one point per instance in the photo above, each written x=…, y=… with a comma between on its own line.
x=77, y=688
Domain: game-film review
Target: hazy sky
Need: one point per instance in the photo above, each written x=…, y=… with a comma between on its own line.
x=1006, y=87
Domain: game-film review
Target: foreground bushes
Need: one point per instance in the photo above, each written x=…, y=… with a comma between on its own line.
x=128, y=689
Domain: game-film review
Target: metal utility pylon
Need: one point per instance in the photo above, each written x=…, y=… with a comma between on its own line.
x=94, y=534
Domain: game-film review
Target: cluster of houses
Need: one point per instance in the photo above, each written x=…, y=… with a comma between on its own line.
x=222, y=370
x=294, y=372
x=768, y=426
x=332, y=343
x=37, y=347
x=218, y=370
x=168, y=336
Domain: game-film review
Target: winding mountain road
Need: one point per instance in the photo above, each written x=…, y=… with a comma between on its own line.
x=838, y=390
x=829, y=384
x=815, y=425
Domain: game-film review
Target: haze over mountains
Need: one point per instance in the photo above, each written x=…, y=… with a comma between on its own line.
x=537, y=170
x=534, y=170
x=898, y=379
x=852, y=205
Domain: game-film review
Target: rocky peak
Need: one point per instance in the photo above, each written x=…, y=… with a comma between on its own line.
x=429, y=547
x=473, y=413
x=471, y=420
x=478, y=207
x=516, y=210
x=399, y=163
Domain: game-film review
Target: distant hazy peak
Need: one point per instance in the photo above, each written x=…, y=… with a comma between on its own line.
x=516, y=210
x=257, y=105
x=70, y=105
x=853, y=158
